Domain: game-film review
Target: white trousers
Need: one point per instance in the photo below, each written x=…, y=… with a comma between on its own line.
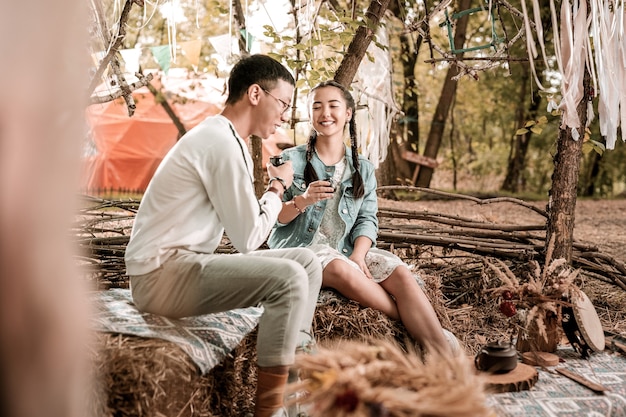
x=285, y=281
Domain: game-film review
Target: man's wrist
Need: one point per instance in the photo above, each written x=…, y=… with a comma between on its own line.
x=280, y=180
x=273, y=189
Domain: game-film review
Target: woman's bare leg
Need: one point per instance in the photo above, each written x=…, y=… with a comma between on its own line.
x=416, y=311
x=353, y=284
x=411, y=305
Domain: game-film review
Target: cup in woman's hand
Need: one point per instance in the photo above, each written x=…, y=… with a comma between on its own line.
x=332, y=182
x=276, y=160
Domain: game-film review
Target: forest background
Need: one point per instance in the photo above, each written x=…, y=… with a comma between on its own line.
x=470, y=105
x=464, y=112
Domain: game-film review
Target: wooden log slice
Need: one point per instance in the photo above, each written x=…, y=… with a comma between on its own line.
x=523, y=377
x=540, y=359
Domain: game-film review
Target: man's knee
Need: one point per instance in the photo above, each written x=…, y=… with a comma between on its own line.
x=292, y=279
x=311, y=264
x=306, y=257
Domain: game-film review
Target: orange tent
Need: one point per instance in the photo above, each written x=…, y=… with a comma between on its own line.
x=123, y=152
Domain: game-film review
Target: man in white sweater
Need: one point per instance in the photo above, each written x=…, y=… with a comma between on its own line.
x=203, y=188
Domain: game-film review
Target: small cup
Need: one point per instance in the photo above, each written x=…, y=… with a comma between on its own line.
x=276, y=160
x=332, y=182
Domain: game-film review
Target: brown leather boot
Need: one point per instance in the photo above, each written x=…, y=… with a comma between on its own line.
x=269, y=391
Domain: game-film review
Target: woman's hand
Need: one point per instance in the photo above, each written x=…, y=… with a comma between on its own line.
x=362, y=245
x=317, y=191
x=360, y=261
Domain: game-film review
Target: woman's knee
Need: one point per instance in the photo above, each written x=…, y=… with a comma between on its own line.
x=339, y=274
x=401, y=281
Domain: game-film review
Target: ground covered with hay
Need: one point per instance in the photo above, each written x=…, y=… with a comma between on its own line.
x=600, y=227
x=154, y=377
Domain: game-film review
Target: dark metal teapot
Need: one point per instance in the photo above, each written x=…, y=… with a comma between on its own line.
x=499, y=357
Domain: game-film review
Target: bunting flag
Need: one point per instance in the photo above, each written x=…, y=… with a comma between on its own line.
x=223, y=46
x=191, y=50
x=588, y=35
x=163, y=56
x=131, y=59
x=249, y=37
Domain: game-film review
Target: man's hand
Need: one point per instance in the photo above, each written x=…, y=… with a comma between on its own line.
x=284, y=171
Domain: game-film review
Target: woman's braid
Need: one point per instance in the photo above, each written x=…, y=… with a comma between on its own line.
x=309, y=172
x=357, y=179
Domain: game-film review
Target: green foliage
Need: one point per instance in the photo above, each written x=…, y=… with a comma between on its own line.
x=591, y=145
x=534, y=126
x=315, y=56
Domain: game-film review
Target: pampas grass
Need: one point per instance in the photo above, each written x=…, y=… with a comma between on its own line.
x=379, y=378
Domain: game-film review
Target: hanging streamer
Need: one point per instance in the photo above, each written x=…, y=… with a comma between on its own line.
x=171, y=27
x=530, y=45
x=609, y=40
x=595, y=42
x=373, y=83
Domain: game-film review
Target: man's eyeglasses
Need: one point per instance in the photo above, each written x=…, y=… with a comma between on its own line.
x=285, y=106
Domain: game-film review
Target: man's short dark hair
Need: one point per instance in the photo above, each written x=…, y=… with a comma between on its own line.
x=255, y=69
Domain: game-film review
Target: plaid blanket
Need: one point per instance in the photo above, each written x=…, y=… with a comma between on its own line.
x=207, y=339
x=555, y=395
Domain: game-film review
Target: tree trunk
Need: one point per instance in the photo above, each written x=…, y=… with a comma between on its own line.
x=448, y=91
x=514, y=180
x=357, y=48
x=256, y=151
x=385, y=174
x=410, y=104
x=404, y=130
x=562, y=196
x=409, y=129
x=588, y=179
x=240, y=21
x=407, y=137
x=356, y=51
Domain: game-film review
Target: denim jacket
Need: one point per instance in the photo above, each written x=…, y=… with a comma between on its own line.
x=359, y=215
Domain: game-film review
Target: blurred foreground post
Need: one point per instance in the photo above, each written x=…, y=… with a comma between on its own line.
x=42, y=302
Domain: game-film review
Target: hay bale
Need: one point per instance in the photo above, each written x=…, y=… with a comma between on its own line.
x=153, y=377
x=338, y=318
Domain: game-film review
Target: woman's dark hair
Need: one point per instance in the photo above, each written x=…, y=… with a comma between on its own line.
x=255, y=69
x=309, y=172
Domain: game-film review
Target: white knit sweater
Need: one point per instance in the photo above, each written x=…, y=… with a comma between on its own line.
x=203, y=187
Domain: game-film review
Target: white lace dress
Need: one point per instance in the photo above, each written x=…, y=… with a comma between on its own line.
x=381, y=263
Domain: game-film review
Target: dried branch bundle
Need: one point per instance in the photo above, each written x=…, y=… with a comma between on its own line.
x=381, y=379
